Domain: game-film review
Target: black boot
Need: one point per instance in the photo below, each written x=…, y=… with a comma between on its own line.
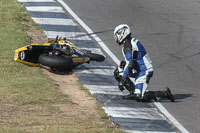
x=169, y=95
x=164, y=94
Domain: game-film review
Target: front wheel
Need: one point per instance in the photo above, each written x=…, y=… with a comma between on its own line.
x=96, y=57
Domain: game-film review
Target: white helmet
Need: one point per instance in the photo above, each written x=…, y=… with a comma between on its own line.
x=122, y=32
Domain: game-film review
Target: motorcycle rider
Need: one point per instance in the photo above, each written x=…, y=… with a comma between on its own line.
x=137, y=65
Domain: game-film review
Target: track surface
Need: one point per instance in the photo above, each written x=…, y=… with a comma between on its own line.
x=97, y=77
x=170, y=31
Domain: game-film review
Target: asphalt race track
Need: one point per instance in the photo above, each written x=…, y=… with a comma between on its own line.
x=168, y=29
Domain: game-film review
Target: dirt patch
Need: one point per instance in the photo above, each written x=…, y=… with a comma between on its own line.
x=68, y=84
x=37, y=36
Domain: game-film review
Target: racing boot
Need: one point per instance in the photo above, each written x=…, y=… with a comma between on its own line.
x=169, y=95
x=164, y=94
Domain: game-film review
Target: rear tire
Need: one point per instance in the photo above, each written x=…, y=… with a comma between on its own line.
x=58, y=62
x=96, y=57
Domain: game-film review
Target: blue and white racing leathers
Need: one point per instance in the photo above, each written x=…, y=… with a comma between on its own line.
x=133, y=51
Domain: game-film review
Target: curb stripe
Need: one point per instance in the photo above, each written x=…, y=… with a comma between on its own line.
x=34, y=4
x=36, y=1
x=116, y=93
x=130, y=131
x=102, y=88
x=93, y=67
x=105, y=72
x=59, y=28
x=37, y=14
x=94, y=50
x=54, y=21
x=45, y=9
x=68, y=35
x=141, y=113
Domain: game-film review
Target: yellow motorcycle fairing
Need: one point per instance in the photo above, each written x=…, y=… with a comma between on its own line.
x=19, y=56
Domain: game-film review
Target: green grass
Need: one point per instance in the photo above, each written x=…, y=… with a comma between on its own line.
x=29, y=100
x=18, y=83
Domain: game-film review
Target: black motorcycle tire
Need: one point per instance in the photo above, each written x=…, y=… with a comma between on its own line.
x=58, y=62
x=96, y=57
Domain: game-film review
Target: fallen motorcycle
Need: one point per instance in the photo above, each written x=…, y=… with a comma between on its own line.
x=58, y=54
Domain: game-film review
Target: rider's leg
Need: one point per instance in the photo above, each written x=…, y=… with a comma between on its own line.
x=141, y=83
x=152, y=95
x=130, y=87
x=157, y=95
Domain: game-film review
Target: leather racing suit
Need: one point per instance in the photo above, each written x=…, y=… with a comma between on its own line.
x=138, y=65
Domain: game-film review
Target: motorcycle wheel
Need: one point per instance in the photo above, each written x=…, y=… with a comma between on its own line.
x=58, y=62
x=96, y=57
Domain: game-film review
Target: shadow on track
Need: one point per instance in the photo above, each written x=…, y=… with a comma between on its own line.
x=182, y=96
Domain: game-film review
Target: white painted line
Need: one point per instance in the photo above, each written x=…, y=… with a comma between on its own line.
x=106, y=72
x=68, y=35
x=105, y=92
x=131, y=131
x=54, y=21
x=117, y=61
x=140, y=113
x=96, y=38
x=36, y=0
x=94, y=50
x=170, y=117
x=45, y=9
x=101, y=89
x=86, y=66
x=106, y=88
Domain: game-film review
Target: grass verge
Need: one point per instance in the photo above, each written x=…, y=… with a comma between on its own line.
x=29, y=100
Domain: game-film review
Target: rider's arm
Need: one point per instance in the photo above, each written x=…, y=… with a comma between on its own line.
x=131, y=60
x=131, y=65
x=128, y=57
x=131, y=57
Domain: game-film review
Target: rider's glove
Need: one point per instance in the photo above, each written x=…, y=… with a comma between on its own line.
x=131, y=69
x=122, y=83
x=122, y=64
x=133, y=74
x=118, y=74
x=120, y=86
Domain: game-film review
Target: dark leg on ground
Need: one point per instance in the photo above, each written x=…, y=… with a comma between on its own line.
x=157, y=95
